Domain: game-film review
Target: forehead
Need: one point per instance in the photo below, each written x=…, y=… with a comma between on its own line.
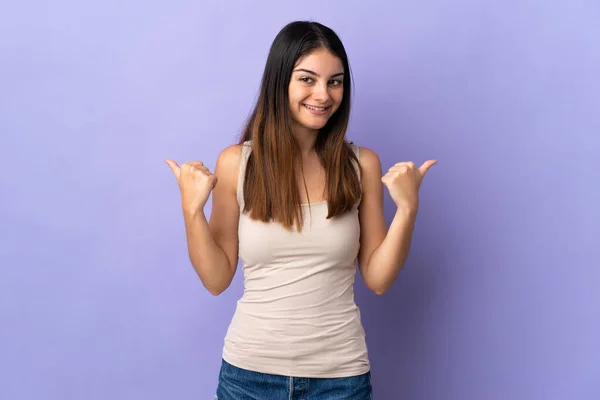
x=321, y=61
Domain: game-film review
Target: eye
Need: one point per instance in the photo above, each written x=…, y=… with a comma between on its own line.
x=306, y=79
x=335, y=82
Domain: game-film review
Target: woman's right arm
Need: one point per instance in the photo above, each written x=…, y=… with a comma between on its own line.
x=213, y=246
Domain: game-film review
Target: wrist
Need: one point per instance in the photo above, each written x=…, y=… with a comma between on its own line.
x=407, y=210
x=193, y=212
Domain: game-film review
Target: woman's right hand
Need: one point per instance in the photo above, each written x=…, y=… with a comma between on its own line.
x=195, y=183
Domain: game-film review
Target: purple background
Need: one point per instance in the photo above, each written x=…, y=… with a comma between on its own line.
x=500, y=296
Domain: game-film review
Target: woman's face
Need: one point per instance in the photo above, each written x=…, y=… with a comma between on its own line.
x=316, y=89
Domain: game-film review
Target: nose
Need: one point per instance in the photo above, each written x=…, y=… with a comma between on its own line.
x=321, y=92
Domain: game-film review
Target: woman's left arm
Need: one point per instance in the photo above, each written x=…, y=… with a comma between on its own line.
x=383, y=251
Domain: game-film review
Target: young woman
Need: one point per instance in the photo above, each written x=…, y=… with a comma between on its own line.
x=299, y=205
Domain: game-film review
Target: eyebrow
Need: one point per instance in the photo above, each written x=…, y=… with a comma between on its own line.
x=308, y=71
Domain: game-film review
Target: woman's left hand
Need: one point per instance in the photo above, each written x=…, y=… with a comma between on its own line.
x=403, y=181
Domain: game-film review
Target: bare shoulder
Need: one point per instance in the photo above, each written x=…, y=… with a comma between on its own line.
x=372, y=186
x=230, y=156
x=228, y=164
x=369, y=161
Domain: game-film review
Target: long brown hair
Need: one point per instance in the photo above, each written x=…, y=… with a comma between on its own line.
x=270, y=186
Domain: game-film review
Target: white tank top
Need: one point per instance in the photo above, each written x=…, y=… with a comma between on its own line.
x=297, y=316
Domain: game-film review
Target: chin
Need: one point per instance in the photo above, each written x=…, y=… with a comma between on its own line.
x=315, y=126
x=314, y=123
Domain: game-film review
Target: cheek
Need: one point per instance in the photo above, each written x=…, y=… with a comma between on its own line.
x=296, y=94
x=337, y=98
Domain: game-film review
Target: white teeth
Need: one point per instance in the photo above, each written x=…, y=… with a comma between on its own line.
x=315, y=108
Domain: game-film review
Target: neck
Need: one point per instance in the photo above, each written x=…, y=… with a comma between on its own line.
x=306, y=139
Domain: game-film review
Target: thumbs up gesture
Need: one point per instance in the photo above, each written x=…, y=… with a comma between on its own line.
x=403, y=181
x=195, y=183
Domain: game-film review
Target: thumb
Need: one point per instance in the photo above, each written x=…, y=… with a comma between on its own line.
x=174, y=167
x=425, y=167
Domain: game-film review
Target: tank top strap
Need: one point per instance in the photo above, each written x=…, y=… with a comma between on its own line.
x=246, y=150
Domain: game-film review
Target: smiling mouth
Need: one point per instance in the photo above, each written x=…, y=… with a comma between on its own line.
x=317, y=109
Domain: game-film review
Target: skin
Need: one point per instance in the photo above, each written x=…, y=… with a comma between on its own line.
x=213, y=246
x=317, y=80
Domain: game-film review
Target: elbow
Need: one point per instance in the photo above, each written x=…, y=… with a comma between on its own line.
x=212, y=285
x=379, y=291
x=381, y=286
x=215, y=291
x=381, y=283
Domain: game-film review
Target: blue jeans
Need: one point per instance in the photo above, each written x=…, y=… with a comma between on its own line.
x=240, y=384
